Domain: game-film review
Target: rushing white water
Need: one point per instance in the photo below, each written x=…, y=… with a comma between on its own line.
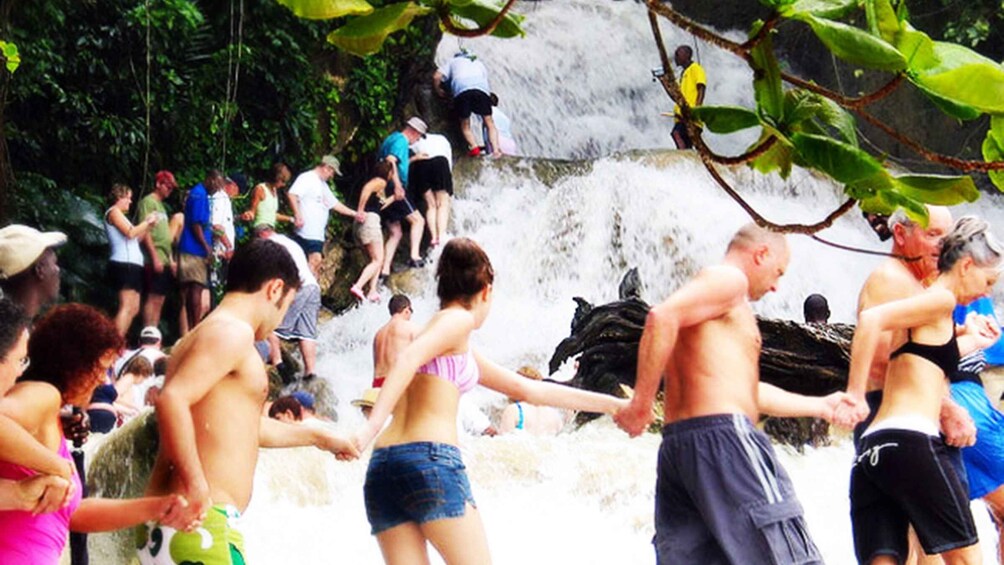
x=578, y=85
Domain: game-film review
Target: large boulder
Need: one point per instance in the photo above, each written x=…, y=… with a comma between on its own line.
x=807, y=359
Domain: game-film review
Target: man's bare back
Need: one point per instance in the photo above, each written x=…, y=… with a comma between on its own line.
x=389, y=341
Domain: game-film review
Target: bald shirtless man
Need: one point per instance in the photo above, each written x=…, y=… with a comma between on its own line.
x=210, y=415
x=392, y=338
x=721, y=495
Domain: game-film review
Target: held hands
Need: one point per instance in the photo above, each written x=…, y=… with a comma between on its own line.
x=634, y=418
x=845, y=410
x=344, y=448
x=982, y=329
x=42, y=494
x=187, y=512
x=957, y=425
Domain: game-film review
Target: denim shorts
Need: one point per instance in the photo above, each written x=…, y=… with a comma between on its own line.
x=415, y=482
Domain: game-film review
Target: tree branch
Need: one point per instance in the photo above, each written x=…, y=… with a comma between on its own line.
x=696, y=29
x=965, y=165
x=448, y=24
x=846, y=102
x=764, y=222
x=864, y=251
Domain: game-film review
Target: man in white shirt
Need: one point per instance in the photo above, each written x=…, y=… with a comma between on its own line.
x=311, y=198
x=300, y=322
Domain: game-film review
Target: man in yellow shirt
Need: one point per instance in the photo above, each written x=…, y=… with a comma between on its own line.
x=693, y=83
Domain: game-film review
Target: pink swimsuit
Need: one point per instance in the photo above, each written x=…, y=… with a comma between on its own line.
x=35, y=540
x=460, y=369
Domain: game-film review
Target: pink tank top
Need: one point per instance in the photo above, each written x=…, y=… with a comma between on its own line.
x=460, y=369
x=35, y=540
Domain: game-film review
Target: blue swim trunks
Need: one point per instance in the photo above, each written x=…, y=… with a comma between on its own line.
x=415, y=482
x=985, y=460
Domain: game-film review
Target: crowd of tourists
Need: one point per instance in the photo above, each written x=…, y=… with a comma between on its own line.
x=927, y=437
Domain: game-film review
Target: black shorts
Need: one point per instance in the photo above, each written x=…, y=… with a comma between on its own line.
x=125, y=276
x=721, y=497
x=430, y=174
x=903, y=477
x=397, y=211
x=158, y=283
x=472, y=102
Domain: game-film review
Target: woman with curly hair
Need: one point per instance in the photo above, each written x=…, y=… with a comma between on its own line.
x=72, y=347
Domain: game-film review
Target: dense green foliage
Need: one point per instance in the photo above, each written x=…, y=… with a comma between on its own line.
x=367, y=26
x=233, y=85
x=814, y=127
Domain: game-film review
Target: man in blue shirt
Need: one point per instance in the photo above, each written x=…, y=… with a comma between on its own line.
x=395, y=150
x=196, y=247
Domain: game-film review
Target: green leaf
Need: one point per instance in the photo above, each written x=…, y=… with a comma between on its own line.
x=939, y=190
x=778, y=158
x=822, y=8
x=725, y=119
x=882, y=20
x=950, y=107
x=365, y=35
x=854, y=45
x=842, y=161
x=767, y=80
x=993, y=149
x=12, y=58
x=327, y=9
x=918, y=49
x=979, y=86
x=876, y=205
x=803, y=107
x=777, y=4
x=870, y=186
x=835, y=116
x=915, y=210
x=482, y=13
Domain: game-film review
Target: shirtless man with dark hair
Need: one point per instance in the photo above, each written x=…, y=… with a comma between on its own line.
x=210, y=415
x=721, y=495
x=392, y=338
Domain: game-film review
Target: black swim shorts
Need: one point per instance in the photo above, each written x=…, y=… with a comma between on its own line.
x=430, y=174
x=722, y=498
x=125, y=276
x=472, y=102
x=904, y=477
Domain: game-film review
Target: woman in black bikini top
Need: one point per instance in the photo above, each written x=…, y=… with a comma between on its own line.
x=903, y=473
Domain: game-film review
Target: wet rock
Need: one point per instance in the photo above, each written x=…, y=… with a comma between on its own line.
x=807, y=359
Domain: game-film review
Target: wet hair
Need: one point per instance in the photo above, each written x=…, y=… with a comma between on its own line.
x=382, y=170
x=463, y=271
x=751, y=235
x=118, y=190
x=13, y=322
x=816, y=309
x=280, y=171
x=66, y=347
x=970, y=237
x=286, y=404
x=398, y=303
x=138, y=365
x=259, y=261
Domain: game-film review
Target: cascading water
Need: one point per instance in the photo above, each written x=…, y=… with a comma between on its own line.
x=578, y=86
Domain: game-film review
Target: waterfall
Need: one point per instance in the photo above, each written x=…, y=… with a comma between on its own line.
x=579, y=87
